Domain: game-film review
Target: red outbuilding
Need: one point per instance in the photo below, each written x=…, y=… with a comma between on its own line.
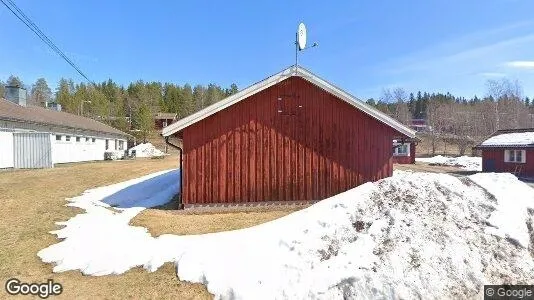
x=290, y=137
x=162, y=120
x=404, y=151
x=510, y=151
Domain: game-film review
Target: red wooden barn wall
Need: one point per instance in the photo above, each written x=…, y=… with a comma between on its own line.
x=251, y=152
x=497, y=155
x=406, y=159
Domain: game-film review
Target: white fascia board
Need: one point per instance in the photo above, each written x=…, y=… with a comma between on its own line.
x=270, y=81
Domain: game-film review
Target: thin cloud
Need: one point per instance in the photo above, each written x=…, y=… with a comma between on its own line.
x=492, y=74
x=521, y=64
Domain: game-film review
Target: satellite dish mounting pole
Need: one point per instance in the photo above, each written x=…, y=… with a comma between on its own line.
x=296, y=52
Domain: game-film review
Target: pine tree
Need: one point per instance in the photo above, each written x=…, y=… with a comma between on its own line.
x=371, y=102
x=41, y=93
x=144, y=121
x=198, y=97
x=63, y=93
x=15, y=81
x=232, y=90
x=188, y=101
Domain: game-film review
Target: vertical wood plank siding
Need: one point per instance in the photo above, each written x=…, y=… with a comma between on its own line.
x=307, y=146
x=497, y=155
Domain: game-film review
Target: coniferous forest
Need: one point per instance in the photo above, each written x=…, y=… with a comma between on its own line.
x=126, y=108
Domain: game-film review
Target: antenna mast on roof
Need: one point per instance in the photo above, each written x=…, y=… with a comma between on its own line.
x=300, y=43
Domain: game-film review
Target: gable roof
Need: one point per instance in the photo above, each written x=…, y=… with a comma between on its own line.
x=34, y=114
x=274, y=79
x=506, y=138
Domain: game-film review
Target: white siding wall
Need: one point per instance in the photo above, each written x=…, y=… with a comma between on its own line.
x=72, y=151
x=62, y=151
x=6, y=149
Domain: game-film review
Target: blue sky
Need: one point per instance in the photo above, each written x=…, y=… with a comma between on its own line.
x=364, y=46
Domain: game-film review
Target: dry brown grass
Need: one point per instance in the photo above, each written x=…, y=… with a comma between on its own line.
x=424, y=167
x=424, y=148
x=33, y=200
x=161, y=222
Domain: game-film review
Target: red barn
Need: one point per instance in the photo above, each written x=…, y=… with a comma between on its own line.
x=510, y=151
x=290, y=137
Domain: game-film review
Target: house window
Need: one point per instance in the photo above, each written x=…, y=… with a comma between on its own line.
x=67, y=138
x=78, y=139
x=107, y=144
x=58, y=137
x=121, y=145
x=401, y=150
x=515, y=156
x=87, y=139
x=93, y=140
x=164, y=123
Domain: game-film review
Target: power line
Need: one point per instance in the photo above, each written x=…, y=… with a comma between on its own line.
x=35, y=29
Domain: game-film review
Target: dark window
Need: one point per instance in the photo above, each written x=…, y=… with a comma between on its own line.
x=87, y=139
x=107, y=144
x=78, y=139
x=402, y=150
x=58, y=137
x=67, y=138
x=94, y=140
x=517, y=156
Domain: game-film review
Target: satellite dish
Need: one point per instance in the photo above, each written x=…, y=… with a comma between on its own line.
x=301, y=36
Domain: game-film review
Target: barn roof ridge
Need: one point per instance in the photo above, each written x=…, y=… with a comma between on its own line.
x=279, y=77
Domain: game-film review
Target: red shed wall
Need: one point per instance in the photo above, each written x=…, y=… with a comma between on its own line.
x=527, y=168
x=406, y=159
x=318, y=146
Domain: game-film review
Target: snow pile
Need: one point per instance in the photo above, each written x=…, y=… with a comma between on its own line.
x=508, y=139
x=414, y=235
x=113, y=154
x=468, y=163
x=145, y=150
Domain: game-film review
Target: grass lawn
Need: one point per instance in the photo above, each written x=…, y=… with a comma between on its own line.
x=33, y=200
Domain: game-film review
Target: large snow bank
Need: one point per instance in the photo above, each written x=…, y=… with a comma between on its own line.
x=414, y=235
x=145, y=150
x=467, y=163
x=508, y=139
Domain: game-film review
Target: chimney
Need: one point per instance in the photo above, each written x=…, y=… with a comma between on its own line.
x=16, y=95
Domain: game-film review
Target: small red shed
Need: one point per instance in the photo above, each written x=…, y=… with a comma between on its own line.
x=510, y=150
x=162, y=120
x=290, y=137
x=404, y=151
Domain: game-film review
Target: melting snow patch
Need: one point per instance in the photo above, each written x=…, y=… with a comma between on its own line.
x=414, y=235
x=145, y=150
x=467, y=163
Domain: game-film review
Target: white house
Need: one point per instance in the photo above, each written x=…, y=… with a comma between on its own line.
x=36, y=137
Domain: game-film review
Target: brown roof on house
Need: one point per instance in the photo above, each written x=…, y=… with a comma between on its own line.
x=35, y=114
